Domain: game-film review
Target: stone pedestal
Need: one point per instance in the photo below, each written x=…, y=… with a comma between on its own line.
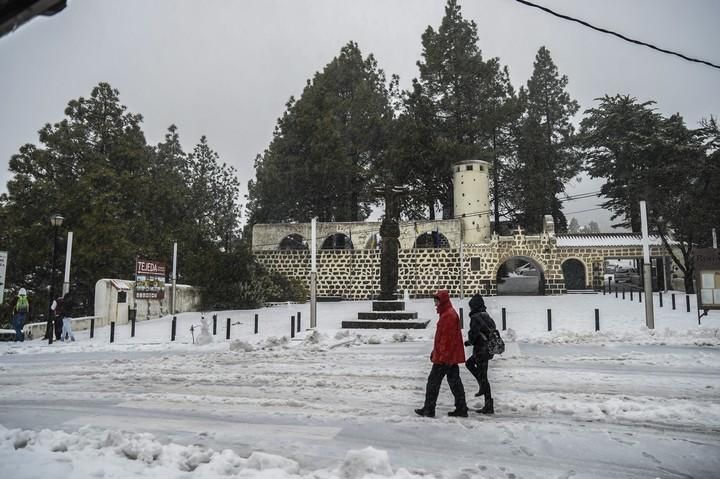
x=387, y=314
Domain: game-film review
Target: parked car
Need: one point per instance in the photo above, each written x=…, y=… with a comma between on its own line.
x=526, y=270
x=624, y=275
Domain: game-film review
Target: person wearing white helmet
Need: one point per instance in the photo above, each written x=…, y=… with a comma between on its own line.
x=21, y=314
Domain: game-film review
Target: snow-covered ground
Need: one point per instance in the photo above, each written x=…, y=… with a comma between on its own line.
x=624, y=402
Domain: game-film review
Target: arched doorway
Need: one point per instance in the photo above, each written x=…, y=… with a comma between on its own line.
x=337, y=241
x=574, y=274
x=293, y=242
x=520, y=275
x=432, y=239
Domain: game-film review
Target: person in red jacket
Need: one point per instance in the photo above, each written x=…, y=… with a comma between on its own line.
x=448, y=351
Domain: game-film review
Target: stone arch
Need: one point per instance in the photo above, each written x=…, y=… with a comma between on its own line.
x=337, y=241
x=432, y=239
x=520, y=275
x=374, y=241
x=293, y=241
x=574, y=273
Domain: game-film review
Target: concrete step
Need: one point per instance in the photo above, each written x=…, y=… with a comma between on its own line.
x=384, y=324
x=388, y=315
x=388, y=305
x=582, y=291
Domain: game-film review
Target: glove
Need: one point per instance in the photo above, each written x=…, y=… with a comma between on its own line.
x=431, y=356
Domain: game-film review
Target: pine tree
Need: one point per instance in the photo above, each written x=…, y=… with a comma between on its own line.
x=327, y=146
x=546, y=158
x=463, y=102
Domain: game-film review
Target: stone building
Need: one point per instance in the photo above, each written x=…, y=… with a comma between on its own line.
x=458, y=254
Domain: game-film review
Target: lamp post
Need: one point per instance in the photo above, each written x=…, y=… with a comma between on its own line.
x=56, y=221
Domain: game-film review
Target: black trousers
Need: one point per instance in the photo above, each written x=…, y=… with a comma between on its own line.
x=434, y=381
x=479, y=369
x=58, y=324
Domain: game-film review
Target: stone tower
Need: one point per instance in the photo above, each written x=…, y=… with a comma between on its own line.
x=472, y=199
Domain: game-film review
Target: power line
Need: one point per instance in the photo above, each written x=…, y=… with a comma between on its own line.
x=609, y=32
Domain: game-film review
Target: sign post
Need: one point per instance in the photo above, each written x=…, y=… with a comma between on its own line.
x=313, y=275
x=647, y=269
x=3, y=267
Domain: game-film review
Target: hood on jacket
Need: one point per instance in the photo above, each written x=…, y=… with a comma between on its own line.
x=443, y=297
x=477, y=303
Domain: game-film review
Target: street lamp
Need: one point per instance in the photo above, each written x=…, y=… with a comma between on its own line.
x=56, y=221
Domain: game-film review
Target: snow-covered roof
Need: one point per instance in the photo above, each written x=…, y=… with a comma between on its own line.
x=605, y=239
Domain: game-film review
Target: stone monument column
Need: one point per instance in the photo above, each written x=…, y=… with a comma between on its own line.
x=390, y=245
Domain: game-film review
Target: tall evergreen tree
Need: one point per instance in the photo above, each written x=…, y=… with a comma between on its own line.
x=326, y=146
x=462, y=101
x=616, y=138
x=546, y=158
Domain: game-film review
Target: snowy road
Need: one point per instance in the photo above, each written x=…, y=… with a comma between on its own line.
x=563, y=410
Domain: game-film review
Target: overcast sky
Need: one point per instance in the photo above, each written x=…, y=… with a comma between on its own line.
x=225, y=69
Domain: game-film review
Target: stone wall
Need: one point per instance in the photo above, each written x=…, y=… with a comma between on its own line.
x=355, y=274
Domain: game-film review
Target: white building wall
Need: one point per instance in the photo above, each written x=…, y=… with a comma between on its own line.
x=471, y=199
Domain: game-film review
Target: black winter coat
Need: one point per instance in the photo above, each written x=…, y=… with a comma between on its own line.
x=481, y=324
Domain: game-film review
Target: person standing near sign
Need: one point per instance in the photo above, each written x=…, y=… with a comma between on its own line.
x=68, y=307
x=57, y=309
x=21, y=314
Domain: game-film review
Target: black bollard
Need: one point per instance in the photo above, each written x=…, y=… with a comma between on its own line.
x=292, y=327
x=687, y=302
x=112, y=331
x=256, y=324
x=631, y=295
x=173, y=328
x=672, y=296
x=298, y=316
x=504, y=322
x=92, y=327
x=623, y=295
x=639, y=296
x=462, y=319
x=660, y=296
x=132, y=326
x=549, y=313
x=597, y=319
x=227, y=329
x=214, y=324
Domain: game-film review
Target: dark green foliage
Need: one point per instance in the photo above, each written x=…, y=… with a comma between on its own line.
x=460, y=109
x=546, y=157
x=327, y=146
x=617, y=138
x=120, y=197
x=644, y=156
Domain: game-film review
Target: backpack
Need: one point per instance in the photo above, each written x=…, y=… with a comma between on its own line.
x=495, y=343
x=22, y=305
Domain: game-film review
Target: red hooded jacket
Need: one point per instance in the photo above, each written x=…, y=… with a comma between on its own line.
x=449, y=347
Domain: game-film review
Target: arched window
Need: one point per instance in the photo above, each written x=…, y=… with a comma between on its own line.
x=337, y=241
x=432, y=239
x=293, y=242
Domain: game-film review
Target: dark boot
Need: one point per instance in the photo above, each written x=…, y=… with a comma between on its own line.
x=487, y=408
x=425, y=412
x=480, y=392
x=459, y=412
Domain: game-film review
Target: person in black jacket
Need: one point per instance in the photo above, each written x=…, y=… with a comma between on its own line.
x=481, y=324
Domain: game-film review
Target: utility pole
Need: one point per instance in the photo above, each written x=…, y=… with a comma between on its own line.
x=313, y=274
x=647, y=269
